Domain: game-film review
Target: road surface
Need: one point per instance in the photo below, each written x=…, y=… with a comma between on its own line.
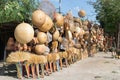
x=99, y=67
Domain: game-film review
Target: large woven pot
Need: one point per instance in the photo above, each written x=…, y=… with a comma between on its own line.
x=40, y=49
x=38, y=18
x=42, y=37
x=59, y=19
x=82, y=13
x=24, y=33
x=47, y=25
x=56, y=35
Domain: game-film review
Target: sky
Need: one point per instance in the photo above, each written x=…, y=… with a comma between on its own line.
x=75, y=6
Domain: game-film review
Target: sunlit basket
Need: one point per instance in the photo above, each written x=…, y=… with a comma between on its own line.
x=42, y=37
x=40, y=49
x=48, y=24
x=59, y=19
x=82, y=13
x=38, y=18
x=56, y=35
x=24, y=33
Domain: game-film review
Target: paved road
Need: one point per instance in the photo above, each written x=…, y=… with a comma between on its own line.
x=99, y=67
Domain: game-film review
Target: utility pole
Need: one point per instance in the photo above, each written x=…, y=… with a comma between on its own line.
x=59, y=6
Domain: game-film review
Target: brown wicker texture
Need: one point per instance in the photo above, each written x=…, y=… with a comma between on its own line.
x=18, y=56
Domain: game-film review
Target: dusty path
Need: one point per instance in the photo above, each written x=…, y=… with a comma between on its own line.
x=99, y=67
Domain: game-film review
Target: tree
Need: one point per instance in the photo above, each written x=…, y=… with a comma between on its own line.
x=17, y=10
x=108, y=14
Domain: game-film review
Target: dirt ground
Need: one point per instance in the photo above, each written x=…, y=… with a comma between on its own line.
x=100, y=67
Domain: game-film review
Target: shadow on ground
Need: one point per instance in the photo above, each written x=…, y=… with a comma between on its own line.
x=8, y=70
x=108, y=57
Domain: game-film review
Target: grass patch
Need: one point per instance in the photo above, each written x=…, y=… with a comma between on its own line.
x=97, y=77
x=114, y=72
x=106, y=62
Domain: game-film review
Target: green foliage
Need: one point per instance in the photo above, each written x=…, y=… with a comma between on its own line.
x=17, y=10
x=108, y=13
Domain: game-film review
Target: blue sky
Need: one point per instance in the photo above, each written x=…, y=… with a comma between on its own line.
x=74, y=6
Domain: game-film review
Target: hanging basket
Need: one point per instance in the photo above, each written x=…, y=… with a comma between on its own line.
x=48, y=24
x=38, y=18
x=59, y=19
x=82, y=13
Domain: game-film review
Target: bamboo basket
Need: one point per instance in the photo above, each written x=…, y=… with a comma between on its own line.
x=50, y=58
x=65, y=54
x=37, y=59
x=55, y=56
x=61, y=55
x=41, y=59
x=18, y=56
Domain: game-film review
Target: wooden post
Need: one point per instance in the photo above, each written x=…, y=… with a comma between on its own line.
x=42, y=70
x=37, y=70
x=118, y=37
x=33, y=70
x=19, y=70
x=50, y=67
x=57, y=65
x=27, y=67
x=61, y=64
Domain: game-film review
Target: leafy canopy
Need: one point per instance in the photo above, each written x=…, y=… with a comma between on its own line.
x=108, y=13
x=17, y=10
